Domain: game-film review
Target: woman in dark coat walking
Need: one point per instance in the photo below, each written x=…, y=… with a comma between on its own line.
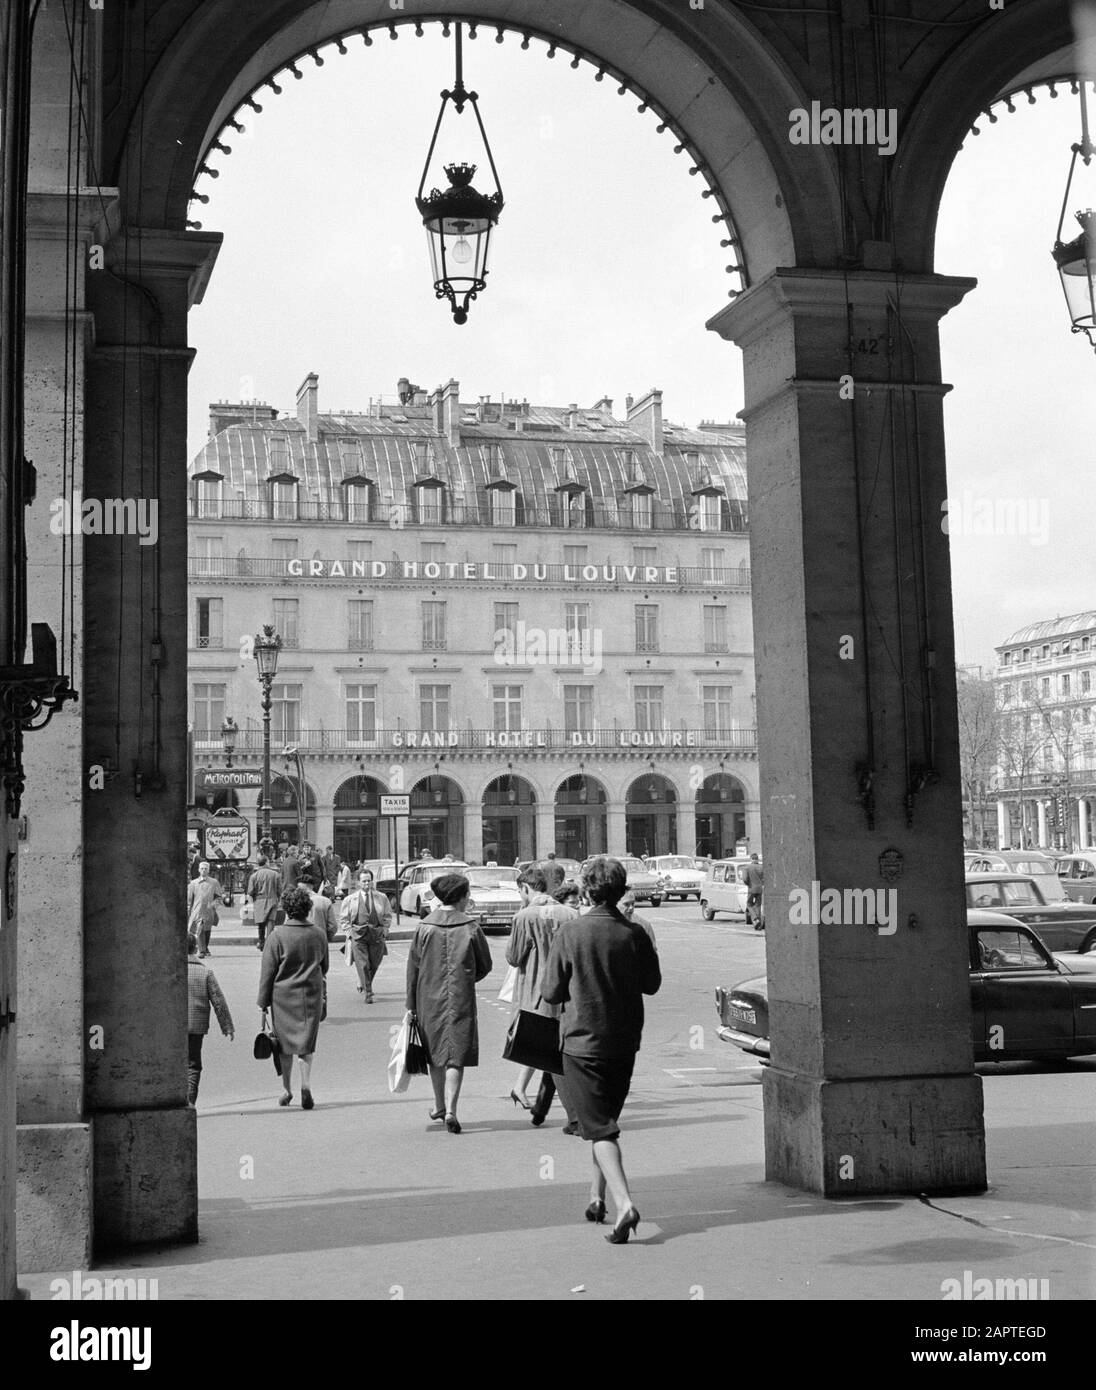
x=449, y=956
x=291, y=984
x=599, y=968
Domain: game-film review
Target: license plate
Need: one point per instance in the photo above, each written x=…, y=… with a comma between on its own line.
x=741, y=1015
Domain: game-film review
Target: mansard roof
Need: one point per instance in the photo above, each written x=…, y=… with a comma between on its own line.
x=1051, y=628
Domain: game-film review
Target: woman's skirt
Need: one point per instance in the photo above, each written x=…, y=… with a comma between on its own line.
x=597, y=1088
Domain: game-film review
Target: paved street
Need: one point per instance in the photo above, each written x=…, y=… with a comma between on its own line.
x=365, y=1198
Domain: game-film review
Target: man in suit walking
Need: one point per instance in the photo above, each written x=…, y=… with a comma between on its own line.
x=264, y=888
x=202, y=896
x=366, y=917
x=290, y=868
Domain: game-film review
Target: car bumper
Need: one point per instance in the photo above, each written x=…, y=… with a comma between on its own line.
x=746, y=1041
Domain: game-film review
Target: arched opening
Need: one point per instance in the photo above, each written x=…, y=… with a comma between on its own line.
x=436, y=823
x=359, y=832
x=720, y=816
x=650, y=816
x=509, y=820
x=581, y=823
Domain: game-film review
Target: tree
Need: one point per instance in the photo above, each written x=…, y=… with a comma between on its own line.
x=979, y=735
x=1021, y=740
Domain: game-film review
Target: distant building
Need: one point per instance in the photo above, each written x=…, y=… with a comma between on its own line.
x=1046, y=698
x=535, y=620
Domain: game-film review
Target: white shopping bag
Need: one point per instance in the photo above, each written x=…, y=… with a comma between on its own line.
x=510, y=985
x=399, y=1078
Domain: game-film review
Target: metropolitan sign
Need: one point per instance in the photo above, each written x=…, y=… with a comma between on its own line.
x=396, y=805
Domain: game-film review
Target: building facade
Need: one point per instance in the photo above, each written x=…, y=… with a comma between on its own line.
x=1046, y=699
x=534, y=620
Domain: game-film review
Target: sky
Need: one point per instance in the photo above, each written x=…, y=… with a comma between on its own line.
x=606, y=267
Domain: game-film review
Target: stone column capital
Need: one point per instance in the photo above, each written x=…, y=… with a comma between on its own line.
x=156, y=257
x=54, y=214
x=801, y=293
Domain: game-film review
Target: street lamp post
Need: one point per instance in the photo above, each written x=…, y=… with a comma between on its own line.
x=229, y=730
x=292, y=751
x=267, y=646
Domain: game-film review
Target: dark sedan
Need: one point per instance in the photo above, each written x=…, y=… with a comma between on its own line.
x=1026, y=1006
x=1040, y=901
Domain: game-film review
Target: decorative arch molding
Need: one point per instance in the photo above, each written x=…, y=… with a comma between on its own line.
x=1021, y=46
x=732, y=118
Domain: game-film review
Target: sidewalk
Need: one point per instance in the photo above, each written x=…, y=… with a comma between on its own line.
x=365, y=1198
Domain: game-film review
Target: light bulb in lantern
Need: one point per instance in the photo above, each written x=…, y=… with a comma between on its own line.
x=462, y=251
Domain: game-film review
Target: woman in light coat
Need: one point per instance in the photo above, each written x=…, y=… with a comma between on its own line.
x=449, y=956
x=291, y=985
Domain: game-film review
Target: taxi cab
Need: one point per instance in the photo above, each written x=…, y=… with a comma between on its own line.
x=722, y=891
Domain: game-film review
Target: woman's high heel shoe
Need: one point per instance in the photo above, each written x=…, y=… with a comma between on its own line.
x=452, y=1124
x=438, y=1114
x=306, y=1099
x=285, y=1098
x=624, y=1228
x=520, y=1100
x=595, y=1211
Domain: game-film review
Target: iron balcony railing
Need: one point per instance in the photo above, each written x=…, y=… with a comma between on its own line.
x=597, y=516
x=250, y=741
x=393, y=572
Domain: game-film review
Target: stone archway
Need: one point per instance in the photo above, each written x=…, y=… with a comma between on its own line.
x=837, y=788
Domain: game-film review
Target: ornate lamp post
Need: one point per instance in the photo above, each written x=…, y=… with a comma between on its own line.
x=267, y=646
x=458, y=219
x=1076, y=259
x=292, y=751
x=229, y=731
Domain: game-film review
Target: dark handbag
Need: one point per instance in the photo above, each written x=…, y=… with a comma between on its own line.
x=267, y=1045
x=416, y=1059
x=533, y=1041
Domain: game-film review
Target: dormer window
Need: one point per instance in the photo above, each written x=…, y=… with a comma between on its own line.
x=709, y=514
x=430, y=502
x=358, y=495
x=283, y=498
x=564, y=464
x=642, y=510
x=207, y=494
x=503, y=504
x=496, y=464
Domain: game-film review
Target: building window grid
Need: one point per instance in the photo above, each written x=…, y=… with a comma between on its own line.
x=209, y=712
x=646, y=627
x=209, y=624
x=285, y=713
x=286, y=615
x=578, y=709
x=361, y=714
x=284, y=501
x=433, y=626
x=359, y=502
x=506, y=618
x=649, y=708
x=506, y=702
x=715, y=628
x=434, y=708
x=360, y=624
x=718, y=703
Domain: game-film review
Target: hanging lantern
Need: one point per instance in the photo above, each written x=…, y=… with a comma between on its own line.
x=459, y=220
x=1076, y=259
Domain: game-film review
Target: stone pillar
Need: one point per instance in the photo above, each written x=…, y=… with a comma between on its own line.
x=1041, y=813
x=473, y=832
x=1082, y=822
x=546, y=827
x=753, y=827
x=615, y=828
x=54, y=1213
x=322, y=826
x=1004, y=839
x=871, y=1086
x=686, y=826
x=145, y=1152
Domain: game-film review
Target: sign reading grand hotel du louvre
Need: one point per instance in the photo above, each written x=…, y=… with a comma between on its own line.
x=476, y=571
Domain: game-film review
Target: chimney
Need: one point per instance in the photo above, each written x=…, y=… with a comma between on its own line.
x=225, y=413
x=604, y=407
x=645, y=416
x=445, y=401
x=572, y=416
x=308, y=406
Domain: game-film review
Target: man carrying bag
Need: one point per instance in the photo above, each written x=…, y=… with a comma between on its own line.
x=366, y=917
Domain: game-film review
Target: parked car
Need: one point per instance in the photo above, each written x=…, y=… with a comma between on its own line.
x=679, y=874
x=1039, y=901
x=495, y=897
x=1077, y=874
x=415, y=894
x=384, y=877
x=722, y=889
x=1028, y=861
x=1025, y=1005
x=642, y=881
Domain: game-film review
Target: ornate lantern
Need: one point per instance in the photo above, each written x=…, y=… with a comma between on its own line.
x=1076, y=259
x=459, y=220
